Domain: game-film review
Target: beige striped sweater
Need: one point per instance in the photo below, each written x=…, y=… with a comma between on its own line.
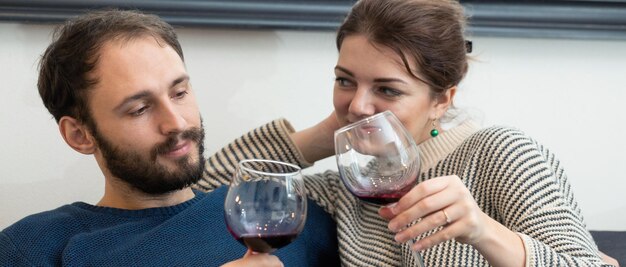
x=515, y=180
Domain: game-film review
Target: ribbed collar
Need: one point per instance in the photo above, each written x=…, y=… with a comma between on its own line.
x=435, y=149
x=160, y=211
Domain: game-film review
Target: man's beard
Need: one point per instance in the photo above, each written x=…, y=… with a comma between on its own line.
x=149, y=176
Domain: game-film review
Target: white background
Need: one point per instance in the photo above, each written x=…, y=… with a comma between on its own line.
x=568, y=94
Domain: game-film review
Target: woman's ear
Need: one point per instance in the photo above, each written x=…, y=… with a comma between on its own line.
x=443, y=102
x=77, y=135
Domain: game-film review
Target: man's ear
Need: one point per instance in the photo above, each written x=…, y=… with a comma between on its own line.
x=443, y=102
x=77, y=135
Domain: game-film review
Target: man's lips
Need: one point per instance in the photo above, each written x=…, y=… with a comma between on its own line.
x=181, y=149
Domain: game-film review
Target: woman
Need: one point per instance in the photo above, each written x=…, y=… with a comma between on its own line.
x=489, y=196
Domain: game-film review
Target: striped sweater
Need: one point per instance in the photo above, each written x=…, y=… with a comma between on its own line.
x=513, y=179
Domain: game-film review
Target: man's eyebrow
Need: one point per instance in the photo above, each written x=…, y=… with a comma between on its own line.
x=180, y=79
x=140, y=95
x=146, y=93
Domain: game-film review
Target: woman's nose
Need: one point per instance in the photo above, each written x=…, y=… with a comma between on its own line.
x=362, y=104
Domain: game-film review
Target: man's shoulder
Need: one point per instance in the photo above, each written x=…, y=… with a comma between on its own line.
x=62, y=216
x=42, y=233
x=42, y=225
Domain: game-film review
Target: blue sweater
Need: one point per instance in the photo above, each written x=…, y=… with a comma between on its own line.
x=192, y=233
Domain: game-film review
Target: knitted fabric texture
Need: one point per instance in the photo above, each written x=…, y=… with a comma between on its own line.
x=192, y=233
x=513, y=179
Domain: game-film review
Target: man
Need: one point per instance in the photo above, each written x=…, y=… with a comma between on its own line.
x=116, y=83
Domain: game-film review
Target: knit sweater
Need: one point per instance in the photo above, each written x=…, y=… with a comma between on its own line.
x=192, y=233
x=513, y=179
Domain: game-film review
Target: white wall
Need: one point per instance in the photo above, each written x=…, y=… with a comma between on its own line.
x=566, y=93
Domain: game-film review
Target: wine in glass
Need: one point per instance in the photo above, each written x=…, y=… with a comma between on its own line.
x=265, y=207
x=378, y=160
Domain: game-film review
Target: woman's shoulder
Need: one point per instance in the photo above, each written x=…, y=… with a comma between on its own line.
x=498, y=132
x=499, y=137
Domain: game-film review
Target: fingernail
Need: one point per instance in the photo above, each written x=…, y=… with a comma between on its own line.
x=397, y=238
x=392, y=227
x=391, y=207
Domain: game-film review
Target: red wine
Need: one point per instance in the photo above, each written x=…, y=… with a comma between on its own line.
x=383, y=198
x=266, y=243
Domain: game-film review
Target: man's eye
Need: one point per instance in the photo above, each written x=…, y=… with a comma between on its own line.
x=181, y=94
x=140, y=111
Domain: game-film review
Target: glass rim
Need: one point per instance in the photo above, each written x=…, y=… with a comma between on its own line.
x=363, y=121
x=296, y=167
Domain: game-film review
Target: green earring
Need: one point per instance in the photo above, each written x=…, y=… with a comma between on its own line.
x=434, y=132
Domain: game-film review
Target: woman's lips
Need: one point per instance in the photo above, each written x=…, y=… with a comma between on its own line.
x=369, y=129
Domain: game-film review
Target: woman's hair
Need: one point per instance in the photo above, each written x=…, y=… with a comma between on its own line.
x=430, y=32
x=67, y=62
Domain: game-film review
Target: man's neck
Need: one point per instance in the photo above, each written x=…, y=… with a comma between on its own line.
x=122, y=196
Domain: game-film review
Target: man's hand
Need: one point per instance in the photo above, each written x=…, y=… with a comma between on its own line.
x=256, y=259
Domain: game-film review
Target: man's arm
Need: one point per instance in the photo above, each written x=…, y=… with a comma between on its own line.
x=9, y=254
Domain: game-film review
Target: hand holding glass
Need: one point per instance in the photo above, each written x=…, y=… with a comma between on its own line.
x=265, y=207
x=378, y=160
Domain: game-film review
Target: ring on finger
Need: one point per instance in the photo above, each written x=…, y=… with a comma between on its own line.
x=448, y=220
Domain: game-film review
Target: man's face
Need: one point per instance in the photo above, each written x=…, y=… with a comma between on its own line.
x=147, y=124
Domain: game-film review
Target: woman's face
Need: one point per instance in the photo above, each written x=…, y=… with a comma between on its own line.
x=372, y=78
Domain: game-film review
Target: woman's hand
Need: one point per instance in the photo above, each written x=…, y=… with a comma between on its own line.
x=317, y=142
x=445, y=201
x=256, y=259
x=442, y=201
x=608, y=259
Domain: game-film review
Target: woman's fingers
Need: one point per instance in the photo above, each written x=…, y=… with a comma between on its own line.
x=427, y=223
x=420, y=191
x=443, y=201
x=445, y=192
x=423, y=209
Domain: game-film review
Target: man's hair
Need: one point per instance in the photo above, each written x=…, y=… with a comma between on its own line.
x=64, y=70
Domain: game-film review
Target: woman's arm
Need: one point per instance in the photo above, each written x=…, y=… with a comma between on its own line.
x=273, y=141
x=270, y=141
x=533, y=219
x=317, y=142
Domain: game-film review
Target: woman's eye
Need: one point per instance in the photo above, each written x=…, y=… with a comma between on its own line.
x=389, y=92
x=343, y=82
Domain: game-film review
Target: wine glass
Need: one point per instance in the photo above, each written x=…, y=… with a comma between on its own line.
x=265, y=207
x=378, y=160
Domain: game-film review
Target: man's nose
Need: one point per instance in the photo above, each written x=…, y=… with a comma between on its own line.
x=171, y=120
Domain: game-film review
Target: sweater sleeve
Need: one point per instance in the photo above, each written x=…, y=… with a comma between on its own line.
x=535, y=200
x=270, y=141
x=9, y=254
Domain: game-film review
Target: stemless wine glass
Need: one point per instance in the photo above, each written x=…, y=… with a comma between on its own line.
x=265, y=207
x=378, y=160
